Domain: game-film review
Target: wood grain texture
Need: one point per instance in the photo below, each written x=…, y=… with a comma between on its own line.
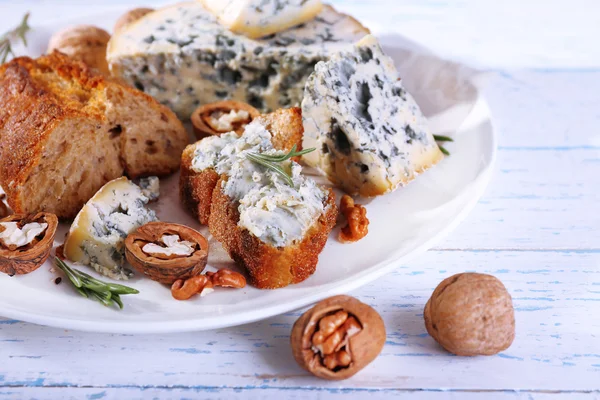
x=536, y=229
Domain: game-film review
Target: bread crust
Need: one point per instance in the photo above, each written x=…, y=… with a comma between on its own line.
x=39, y=96
x=269, y=267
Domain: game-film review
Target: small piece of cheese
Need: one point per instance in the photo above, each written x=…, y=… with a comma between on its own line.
x=260, y=18
x=97, y=236
x=224, y=122
x=173, y=247
x=12, y=235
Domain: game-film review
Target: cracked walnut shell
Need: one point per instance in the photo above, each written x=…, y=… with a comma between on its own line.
x=166, y=269
x=337, y=337
x=471, y=314
x=28, y=258
x=85, y=43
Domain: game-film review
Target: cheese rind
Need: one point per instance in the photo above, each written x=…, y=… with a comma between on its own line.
x=260, y=18
x=370, y=134
x=98, y=233
x=182, y=56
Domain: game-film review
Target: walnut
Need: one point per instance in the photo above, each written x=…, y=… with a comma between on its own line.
x=130, y=17
x=471, y=314
x=185, y=289
x=20, y=260
x=358, y=223
x=4, y=211
x=222, y=117
x=337, y=337
x=85, y=43
x=166, y=267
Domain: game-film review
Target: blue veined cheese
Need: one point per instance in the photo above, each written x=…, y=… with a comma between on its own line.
x=98, y=233
x=150, y=187
x=370, y=134
x=275, y=212
x=259, y=18
x=182, y=56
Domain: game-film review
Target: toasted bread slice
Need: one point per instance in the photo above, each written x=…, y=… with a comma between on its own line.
x=66, y=130
x=196, y=188
x=270, y=267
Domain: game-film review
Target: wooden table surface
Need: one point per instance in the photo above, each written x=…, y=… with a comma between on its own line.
x=537, y=228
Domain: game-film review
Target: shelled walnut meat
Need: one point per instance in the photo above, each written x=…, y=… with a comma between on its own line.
x=166, y=252
x=85, y=43
x=222, y=117
x=357, y=223
x=471, y=314
x=337, y=337
x=204, y=284
x=26, y=242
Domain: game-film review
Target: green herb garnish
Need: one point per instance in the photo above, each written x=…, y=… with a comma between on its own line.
x=7, y=39
x=441, y=138
x=92, y=288
x=273, y=162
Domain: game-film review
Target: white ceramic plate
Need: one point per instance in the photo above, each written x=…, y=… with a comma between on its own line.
x=403, y=224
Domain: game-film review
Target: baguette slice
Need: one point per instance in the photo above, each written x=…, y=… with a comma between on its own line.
x=65, y=131
x=196, y=188
x=270, y=267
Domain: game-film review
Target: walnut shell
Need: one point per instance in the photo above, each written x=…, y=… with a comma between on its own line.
x=28, y=258
x=130, y=17
x=363, y=346
x=166, y=270
x=471, y=314
x=85, y=43
x=201, y=122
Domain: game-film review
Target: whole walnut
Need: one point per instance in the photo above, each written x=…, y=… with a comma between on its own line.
x=130, y=17
x=471, y=314
x=85, y=43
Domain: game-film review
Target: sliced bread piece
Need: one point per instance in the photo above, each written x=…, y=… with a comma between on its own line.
x=196, y=184
x=65, y=131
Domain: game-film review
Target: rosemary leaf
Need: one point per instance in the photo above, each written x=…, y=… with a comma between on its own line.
x=95, y=289
x=443, y=150
x=442, y=138
x=7, y=39
x=272, y=162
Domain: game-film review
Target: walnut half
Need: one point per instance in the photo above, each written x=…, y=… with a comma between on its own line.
x=337, y=338
x=22, y=259
x=166, y=252
x=222, y=117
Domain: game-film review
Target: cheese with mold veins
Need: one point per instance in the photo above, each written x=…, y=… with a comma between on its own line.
x=183, y=57
x=97, y=236
x=259, y=18
x=370, y=134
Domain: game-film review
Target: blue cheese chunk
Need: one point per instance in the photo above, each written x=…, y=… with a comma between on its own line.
x=182, y=56
x=370, y=134
x=275, y=212
x=98, y=233
x=259, y=18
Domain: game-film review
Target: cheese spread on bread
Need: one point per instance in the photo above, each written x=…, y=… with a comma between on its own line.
x=272, y=210
x=97, y=236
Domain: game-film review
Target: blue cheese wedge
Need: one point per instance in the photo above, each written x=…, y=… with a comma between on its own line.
x=98, y=233
x=273, y=211
x=259, y=18
x=183, y=57
x=370, y=134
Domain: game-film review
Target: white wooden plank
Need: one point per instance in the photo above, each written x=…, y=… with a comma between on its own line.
x=67, y=393
x=555, y=295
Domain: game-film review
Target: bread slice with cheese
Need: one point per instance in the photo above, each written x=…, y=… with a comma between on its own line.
x=65, y=131
x=196, y=186
x=272, y=226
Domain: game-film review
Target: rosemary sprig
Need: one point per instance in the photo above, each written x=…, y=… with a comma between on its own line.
x=273, y=162
x=7, y=39
x=92, y=288
x=441, y=138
